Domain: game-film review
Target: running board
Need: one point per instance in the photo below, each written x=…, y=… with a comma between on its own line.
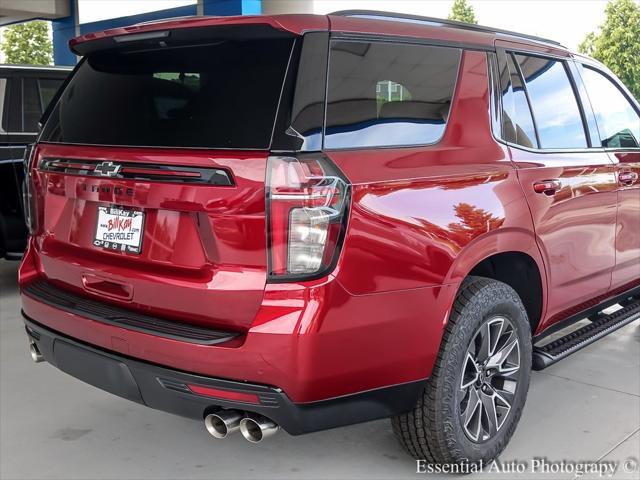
x=601, y=325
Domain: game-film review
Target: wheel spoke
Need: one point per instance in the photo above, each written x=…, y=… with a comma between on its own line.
x=506, y=390
x=469, y=373
x=510, y=351
x=503, y=407
x=490, y=425
x=483, y=338
x=471, y=416
x=496, y=327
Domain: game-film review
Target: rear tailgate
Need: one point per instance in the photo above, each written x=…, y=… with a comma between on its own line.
x=203, y=247
x=149, y=174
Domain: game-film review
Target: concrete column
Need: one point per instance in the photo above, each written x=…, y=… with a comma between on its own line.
x=64, y=29
x=17, y=11
x=275, y=7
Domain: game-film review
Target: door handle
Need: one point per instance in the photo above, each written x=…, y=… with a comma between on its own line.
x=627, y=178
x=548, y=187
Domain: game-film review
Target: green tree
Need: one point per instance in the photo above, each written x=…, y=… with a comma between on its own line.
x=462, y=12
x=617, y=43
x=27, y=43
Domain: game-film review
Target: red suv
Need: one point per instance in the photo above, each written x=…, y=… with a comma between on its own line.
x=306, y=221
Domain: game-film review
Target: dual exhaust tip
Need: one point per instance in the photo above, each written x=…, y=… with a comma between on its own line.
x=253, y=428
x=35, y=353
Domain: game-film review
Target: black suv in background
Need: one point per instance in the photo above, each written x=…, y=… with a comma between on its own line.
x=25, y=92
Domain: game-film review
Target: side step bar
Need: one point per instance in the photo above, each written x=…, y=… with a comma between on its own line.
x=601, y=325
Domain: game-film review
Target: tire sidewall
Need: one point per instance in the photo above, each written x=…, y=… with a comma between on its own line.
x=493, y=299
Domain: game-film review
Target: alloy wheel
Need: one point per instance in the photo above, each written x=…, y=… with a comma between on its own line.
x=490, y=375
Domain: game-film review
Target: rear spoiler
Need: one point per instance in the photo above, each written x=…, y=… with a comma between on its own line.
x=193, y=29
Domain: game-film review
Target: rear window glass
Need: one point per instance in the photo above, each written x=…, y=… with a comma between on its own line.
x=223, y=94
x=384, y=94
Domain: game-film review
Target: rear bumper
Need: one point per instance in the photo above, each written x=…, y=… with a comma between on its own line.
x=313, y=340
x=168, y=390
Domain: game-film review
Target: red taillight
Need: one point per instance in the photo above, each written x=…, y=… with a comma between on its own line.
x=307, y=199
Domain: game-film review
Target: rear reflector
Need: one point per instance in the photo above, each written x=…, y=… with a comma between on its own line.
x=224, y=394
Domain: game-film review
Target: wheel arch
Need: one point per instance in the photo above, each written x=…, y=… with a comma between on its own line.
x=510, y=257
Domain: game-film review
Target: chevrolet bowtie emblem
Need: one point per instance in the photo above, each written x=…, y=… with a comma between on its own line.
x=107, y=169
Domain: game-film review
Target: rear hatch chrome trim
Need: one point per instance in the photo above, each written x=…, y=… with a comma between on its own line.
x=138, y=171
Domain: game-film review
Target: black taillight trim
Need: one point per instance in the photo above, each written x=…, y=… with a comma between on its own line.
x=29, y=211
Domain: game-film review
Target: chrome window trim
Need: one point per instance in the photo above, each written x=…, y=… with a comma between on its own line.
x=3, y=91
x=39, y=68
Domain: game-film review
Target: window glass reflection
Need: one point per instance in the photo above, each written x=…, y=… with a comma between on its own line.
x=618, y=121
x=383, y=94
x=524, y=133
x=554, y=105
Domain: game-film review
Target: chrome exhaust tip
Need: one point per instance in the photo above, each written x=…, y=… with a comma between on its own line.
x=223, y=423
x=257, y=428
x=36, y=356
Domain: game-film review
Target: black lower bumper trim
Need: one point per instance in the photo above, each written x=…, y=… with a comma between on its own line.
x=45, y=292
x=165, y=389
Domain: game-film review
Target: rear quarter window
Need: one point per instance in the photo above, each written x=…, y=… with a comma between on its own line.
x=386, y=94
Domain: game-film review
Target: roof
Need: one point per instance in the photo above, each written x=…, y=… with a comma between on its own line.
x=295, y=24
x=438, y=22
x=348, y=21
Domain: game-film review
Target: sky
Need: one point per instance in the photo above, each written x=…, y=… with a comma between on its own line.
x=567, y=21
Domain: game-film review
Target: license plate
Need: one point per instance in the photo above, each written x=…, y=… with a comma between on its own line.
x=119, y=229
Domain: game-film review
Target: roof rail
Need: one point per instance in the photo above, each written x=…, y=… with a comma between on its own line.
x=22, y=66
x=403, y=17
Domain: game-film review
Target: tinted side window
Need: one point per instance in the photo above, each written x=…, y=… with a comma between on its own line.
x=24, y=101
x=31, y=108
x=383, y=94
x=522, y=131
x=308, y=103
x=48, y=88
x=555, y=108
x=618, y=121
x=12, y=114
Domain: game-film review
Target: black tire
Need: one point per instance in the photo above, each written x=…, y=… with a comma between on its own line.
x=433, y=430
